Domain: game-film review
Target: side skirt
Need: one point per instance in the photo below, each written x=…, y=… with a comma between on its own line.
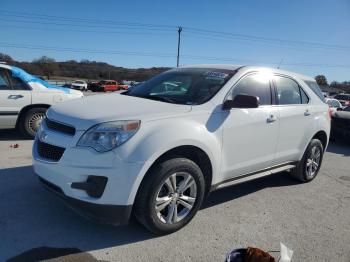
x=254, y=175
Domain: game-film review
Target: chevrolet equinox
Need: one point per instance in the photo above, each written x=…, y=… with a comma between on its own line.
x=157, y=150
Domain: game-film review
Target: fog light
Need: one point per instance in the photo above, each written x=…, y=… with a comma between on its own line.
x=94, y=185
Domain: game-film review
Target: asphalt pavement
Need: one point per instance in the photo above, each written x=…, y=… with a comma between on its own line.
x=312, y=219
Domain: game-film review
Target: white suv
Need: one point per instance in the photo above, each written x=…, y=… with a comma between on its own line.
x=156, y=152
x=24, y=99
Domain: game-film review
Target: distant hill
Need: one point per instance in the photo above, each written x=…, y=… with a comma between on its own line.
x=49, y=68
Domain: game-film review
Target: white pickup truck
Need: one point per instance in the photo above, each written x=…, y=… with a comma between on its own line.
x=24, y=99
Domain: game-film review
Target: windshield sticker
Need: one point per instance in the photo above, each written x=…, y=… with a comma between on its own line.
x=212, y=74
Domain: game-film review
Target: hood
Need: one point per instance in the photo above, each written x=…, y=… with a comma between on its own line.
x=342, y=114
x=88, y=111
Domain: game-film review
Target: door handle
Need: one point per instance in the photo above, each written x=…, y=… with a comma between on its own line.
x=307, y=113
x=271, y=119
x=15, y=96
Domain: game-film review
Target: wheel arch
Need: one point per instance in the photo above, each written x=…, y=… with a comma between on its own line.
x=27, y=108
x=192, y=152
x=322, y=136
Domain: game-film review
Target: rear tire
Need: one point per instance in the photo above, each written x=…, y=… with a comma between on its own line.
x=170, y=196
x=30, y=121
x=309, y=166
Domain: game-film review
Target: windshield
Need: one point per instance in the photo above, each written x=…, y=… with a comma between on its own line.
x=333, y=103
x=79, y=82
x=188, y=86
x=342, y=97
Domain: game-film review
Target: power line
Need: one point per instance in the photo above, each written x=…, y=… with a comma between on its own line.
x=160, y=55
x=85, y=20
x=236, y=40
x=90, y=31
x=252, y=37
x=91, y=51
x=191, y=30
x=78, y=25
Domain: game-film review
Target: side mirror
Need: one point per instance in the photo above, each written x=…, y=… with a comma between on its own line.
x=241, y=101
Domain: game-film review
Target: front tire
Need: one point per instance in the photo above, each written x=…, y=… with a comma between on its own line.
x=170, y=196
x=31, y=120
x=309, y=166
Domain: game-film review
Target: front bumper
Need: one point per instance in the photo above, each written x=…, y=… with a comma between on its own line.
x=108, y=214
x=71, y=172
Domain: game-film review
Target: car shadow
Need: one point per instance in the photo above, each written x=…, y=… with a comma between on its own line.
x=33, y=220
x=240, y=190
x=32, y=217
x=339, y=147
x=11, y=135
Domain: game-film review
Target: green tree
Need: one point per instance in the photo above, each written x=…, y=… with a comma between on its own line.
x=321, y=80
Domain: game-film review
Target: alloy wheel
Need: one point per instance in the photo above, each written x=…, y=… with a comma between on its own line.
x=175, y=198
x=313, y=162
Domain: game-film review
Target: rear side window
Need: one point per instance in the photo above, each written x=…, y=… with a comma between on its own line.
x=304, y=97
x=254, y=85
x=289, y=92
x=316, y=89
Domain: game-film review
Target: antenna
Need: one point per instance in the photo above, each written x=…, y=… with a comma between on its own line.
x=280, y=63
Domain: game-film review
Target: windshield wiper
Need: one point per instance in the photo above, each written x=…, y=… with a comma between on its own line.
x=160, y=98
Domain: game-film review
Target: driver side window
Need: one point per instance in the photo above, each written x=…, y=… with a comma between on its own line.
x=254, y=85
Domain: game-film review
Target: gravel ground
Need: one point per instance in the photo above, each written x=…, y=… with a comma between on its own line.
x=312, y=219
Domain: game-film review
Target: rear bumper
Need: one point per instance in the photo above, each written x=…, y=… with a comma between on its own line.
x=103, y=213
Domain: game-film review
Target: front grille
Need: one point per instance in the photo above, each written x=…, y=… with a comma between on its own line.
x=60, y=127
x=50, y=152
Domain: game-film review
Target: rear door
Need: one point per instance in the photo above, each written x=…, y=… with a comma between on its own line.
x=295, y=115
x=14, y=95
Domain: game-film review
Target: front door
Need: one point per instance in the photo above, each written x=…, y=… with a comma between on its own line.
x=14, y=95
x=250, y=135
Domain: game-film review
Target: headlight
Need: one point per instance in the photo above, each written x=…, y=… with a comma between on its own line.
x=107, y=136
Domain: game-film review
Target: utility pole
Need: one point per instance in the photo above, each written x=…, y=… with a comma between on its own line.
x=179, y=30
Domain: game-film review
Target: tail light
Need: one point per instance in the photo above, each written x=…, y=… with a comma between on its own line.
x=330, y=111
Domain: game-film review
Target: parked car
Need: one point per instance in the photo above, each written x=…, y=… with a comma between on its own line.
x=107, y=85
x=341, y=125
x=334, y=104
x=344, y=99
x=24, y=99
x=157, y=153
x=79, y=85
